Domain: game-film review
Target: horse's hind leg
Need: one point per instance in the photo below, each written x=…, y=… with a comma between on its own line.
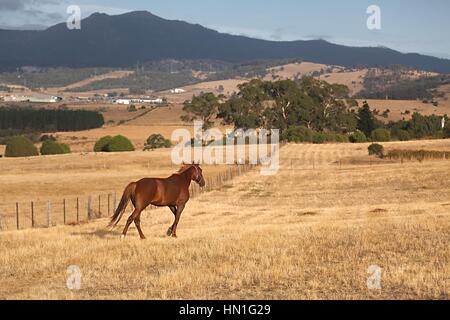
x=130, y=220
x=137, y=222
x=174, y=211
x=179, y=211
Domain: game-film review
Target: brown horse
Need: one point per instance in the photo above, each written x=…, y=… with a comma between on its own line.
x=172, y=192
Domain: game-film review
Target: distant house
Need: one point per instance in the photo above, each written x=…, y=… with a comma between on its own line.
x=177, y=91
x=35, y=98
x=139, y=100
x=122, y=101
x=150, y=101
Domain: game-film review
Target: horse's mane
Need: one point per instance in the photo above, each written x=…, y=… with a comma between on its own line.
x=183, y=169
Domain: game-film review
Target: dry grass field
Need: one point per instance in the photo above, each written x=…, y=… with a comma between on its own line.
x=352, y=79
x=110, y=75
x=290, y=71
x=310, y=232
x=399, y=108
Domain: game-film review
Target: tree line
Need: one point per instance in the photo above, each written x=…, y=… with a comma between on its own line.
x=48, y=120
x=307, y=110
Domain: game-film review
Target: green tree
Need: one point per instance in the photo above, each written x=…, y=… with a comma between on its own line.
x=50, y=147
x=203, y=107
x=66, y=148
x=245, y=110
x=157, y=141
x=119, y=144
x=100, y=145
x=20, y=146
x=298, y=134
x=358, y=137
x=403, y=135
x=366, y=120
x=376, y=149
x=381, y=135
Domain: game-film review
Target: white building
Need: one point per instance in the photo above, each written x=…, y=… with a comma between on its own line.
x=150, y=101
x=177, y=91
x=122, y=101
x=32, y=98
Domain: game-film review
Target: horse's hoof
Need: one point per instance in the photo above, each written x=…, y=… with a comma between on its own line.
x=122, y=237
x=169, y=232
x=174, y=236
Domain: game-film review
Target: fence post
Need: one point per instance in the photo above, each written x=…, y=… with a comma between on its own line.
x=17, y=216
x=89, y=208
x=109, y=208
x=64, y=210
x=32, y=214
x=49, y=214
x=78, y=211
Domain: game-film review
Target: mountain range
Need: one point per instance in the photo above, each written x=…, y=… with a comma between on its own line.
x=139, y=36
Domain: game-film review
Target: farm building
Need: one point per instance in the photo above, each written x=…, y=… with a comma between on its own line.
x=36, y=98
x=177, y=91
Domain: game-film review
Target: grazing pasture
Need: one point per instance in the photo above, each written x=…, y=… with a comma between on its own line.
x=312, y=231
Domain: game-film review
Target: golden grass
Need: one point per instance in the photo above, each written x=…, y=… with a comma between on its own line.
x=352, y=79
x=302, y=234
x=290, y=71
x=399, y=107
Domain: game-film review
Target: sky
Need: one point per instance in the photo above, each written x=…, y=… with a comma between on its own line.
x=406, y=25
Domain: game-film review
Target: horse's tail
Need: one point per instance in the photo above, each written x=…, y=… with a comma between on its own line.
x=127, y=194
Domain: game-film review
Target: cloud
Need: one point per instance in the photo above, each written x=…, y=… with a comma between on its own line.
x=19, y=5
x=16, y=13
x=11, y=5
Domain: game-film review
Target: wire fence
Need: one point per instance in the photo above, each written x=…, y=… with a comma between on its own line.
x=86, y=208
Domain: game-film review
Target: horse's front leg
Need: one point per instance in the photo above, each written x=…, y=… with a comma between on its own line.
x=174, y=211
x=178, y=213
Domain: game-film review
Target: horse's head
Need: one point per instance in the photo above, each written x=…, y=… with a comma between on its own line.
x=198, y=175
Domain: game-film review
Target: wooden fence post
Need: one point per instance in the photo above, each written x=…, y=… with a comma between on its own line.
x=89, y=207
x=115, y=202
x=32, y=214
x=109, y=208
x=78, y=211
x=49, y=214
x=64, y=211
x=17, y=216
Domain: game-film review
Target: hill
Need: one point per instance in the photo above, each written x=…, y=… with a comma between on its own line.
x=124, y=40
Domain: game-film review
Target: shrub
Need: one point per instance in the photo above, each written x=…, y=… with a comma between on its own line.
x=50, y=147
x=66, y=148
x=381, y=135
x=157, y=141
x=341, y=138
x=447, y=132
x=403, y=135
x=46, y=137
x=100, y=145
x=320, y=137
x=358, y=137
x=298, y=134
x=376, y=149
x=20, y=146
x=119, y=144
